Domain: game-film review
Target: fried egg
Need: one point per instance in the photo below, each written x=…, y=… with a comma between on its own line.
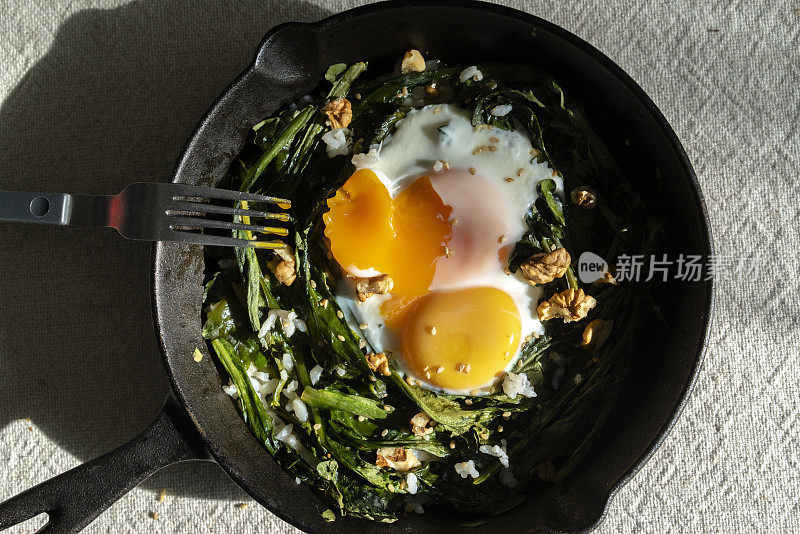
x=438, y=208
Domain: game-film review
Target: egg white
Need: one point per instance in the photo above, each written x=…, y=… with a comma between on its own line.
x=444, y=133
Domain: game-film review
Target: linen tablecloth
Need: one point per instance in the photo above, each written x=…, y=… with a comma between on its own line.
x=98, y=93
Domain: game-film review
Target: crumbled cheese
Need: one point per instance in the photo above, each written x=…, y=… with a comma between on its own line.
x=438, y=166
x=517, y=384
x=368, y=160
x=300, y=410
x=467, y=469
x=501, y=110
x=498, y=451
x=315, y=374
x=284, y=374
x=411, y=483
x=291, y=386
x=470, y=72
x=337, y=142
x=231, y=390
x=507, y=478
x=288, y=320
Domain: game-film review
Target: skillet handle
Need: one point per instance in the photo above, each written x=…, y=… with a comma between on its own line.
x=74, y=498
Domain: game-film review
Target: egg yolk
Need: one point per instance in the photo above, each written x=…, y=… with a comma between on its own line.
x=403, y=237
x=456, y=339
x=461, y=338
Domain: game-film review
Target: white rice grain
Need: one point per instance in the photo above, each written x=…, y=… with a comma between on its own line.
x=300, y=410
x=288, y=362
x=315, y=374
x=501, y=110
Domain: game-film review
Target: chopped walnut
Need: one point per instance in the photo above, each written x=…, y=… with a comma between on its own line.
x=339, y=113
x=595, y=334
x=283, y=265
x=377, y=285
x=546, y=471
x=412, y=62
x=397, y=458
x=419, y=424
x=583, y=197
x=570, y=305
x=545, y=267
x=607, y=278
x=379, y=363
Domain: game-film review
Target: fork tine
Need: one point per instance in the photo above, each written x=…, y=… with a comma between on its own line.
x=200, y=207
x=183, y=190
x=222, y=241
x=199, y=222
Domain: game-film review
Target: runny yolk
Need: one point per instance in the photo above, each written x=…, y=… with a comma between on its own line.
x=455, y=339
x=461, y=338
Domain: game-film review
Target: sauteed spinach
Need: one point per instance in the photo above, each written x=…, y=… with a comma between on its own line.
x=325, y=411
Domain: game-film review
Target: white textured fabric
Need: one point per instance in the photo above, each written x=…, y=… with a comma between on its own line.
x=99, y=93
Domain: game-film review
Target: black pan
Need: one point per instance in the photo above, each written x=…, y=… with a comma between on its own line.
x=199, y=421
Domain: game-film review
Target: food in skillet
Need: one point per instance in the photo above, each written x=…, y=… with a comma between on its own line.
x=425, y=339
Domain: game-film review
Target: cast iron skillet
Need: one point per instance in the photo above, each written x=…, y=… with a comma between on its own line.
x=200, y=422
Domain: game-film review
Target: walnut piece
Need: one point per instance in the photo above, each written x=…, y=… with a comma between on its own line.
x=412, y=62
x=583, y=197
x=544, y=267
x=283, y=265
x=419, y=424
x=377, y=285
x=570, y=305
x=596, y=333
x=339, y=112
x=607, y=279
x=397, y=458
x=546, y=471
x=379, y=363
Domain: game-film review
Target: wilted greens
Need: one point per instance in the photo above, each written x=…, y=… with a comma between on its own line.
x=299, y=372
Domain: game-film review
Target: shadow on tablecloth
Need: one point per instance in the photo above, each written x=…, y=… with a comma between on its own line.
x=112, y=102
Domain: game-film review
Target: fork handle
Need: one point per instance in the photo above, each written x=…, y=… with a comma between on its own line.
x=55, y=208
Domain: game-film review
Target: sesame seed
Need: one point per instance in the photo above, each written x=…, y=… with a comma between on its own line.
x=501, y=239
x=554, y=172
x=313, y=284
x=499, y=428
x=479, y=149
x=324, y=303
x=410, y=381
x=452, y=444
x=340, y=337
x=358, y=96
x=390, y=487
x=328, y=455
x=472, y=170
x=494, y=140
x=427, y=375
x=509, y=179
x=468, y=402
x=432, y=330
x=372, y=378
x=439, y=369
x=154, y=515
x=317, y=426
x=454, y=222
x=388, y=408
x=520, y=172
x=507, y=271
x=463, y=368
x=162, y=495
x=241, y=505
x=447, y=252
x=534, y=152
x=436, y=110
x=339, y=314
x=404, y=91
x=362, y=418
x=362, y=344
x=385, y=432
x=363, y=326
x=446, y=165
x=506, y=415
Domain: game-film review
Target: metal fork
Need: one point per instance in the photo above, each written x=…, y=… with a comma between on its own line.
x=152, y=211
